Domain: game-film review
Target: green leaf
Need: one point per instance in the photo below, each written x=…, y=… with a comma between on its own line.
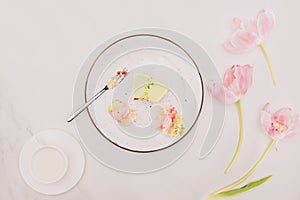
x=243, y=189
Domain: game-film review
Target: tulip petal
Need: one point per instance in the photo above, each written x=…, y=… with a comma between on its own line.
x=283, y=116
x=238, y=78
x=294, y=126
x=231, y=80
x=241, y=41
x=265, y=119
x=237, y=24
x=229, y=47
x=229, y=76
x=244, y=73
x=250, y=25
x=221, y=93
x=265, y=22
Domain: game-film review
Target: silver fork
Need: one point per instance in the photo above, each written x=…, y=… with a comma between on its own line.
x=118, y=79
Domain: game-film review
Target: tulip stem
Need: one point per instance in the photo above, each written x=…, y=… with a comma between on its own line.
x=234, y=184
x=241, y=134
x=269, y=63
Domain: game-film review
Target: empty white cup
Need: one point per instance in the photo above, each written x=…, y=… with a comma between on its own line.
x=49, y=164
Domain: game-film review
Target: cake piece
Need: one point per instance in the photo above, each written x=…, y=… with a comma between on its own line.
x=171, y=122
x=121, y=113
x=148, y=88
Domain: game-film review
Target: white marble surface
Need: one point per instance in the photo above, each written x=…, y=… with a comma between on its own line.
x=43, y=44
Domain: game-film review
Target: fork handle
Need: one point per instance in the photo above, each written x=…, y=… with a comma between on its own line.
x=89, y=102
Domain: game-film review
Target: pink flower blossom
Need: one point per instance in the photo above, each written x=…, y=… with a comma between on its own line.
x=281, y=124
x=250, y=32
x=236, y=82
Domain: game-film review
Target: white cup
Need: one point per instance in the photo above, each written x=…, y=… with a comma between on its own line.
x=49, y=164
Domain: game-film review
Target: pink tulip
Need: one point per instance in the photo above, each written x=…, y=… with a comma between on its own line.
x=281, y=124
x=250, y=32
x=236, y=82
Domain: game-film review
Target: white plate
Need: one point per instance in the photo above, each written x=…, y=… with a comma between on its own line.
x=44, y=176
x=163, y=60
x=101, y=64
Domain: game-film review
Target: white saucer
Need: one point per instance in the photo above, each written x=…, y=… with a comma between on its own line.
x=52, y=162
